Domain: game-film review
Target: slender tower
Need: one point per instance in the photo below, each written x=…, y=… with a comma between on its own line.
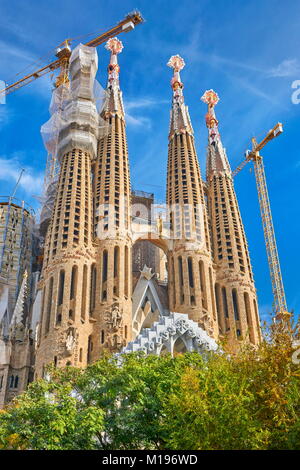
x=234, y=289
x=191, y=276
x=69, y=254
x=112, y=285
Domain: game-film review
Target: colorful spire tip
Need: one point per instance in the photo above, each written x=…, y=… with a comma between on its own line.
x=176, y=62
x=114, y=45
x=210, y=97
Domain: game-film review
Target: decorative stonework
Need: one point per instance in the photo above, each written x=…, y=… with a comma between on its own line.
x=164, y=334
x=114, y=318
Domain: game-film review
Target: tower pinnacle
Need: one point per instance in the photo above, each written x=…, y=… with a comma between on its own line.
x=216, y=154
x=114, y=102
x=115, y=46
x=176, y=63
x=180, y=119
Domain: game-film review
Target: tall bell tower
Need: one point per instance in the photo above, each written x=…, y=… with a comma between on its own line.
x=190, y=267
x=112, y=273
x=235, y=291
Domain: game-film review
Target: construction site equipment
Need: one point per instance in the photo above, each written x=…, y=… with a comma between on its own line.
x=63, y=53
x=280, y=305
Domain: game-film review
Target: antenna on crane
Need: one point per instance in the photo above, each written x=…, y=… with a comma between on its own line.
x=17, y=183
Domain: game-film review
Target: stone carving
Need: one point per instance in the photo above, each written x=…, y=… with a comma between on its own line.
x=115, y=341
x=181, y=326
x=114, y=318
x=172, y=330
x=70, y=341
x=114, y=323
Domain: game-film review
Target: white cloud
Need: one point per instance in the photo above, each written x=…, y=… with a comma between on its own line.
x=287, y=68
x=138, y=121
x=143, y=103
x=10, y=169
x=140, y=103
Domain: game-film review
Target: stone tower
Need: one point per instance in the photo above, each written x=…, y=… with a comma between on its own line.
x=234, y=289
x=111, y=290
x=190, y=267
x=16, y=244
x=69, y=254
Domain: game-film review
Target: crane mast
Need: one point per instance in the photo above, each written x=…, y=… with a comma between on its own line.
x=280, y=305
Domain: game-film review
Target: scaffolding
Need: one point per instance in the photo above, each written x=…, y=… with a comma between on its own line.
x=75, y=117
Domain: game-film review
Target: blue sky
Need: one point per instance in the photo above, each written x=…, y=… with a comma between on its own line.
x=246, y=51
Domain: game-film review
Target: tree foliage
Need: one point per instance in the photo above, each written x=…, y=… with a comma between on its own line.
x=250, y=400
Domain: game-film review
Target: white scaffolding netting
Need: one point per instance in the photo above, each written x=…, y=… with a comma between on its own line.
x=75, y=121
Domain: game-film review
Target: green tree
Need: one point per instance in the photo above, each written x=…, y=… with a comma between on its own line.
x=49, y=416
x=249, y=400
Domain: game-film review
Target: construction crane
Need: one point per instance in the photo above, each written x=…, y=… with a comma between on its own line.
x=280, y=306
x=63, y=53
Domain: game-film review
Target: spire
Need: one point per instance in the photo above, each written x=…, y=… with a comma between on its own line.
x=114, y=101
x=216, y=155
x=180, y=122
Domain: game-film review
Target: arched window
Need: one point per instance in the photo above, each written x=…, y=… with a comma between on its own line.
x=180, y=271
x=89, y=348
x=102, y=337
x=180, y=275
x=49, y=304
x=84, y=292
x=93, y=287
x=116, y=261
x=191, y=273
x=212, y=293
x=104, y=265
x=235, y=305
x=104, y=274
x=116, y=269
x=61, y=286
x=73, y=287
x=202, y=284
x=225, y=305
x=219, y=307
x=12, y=381
x=249, y=318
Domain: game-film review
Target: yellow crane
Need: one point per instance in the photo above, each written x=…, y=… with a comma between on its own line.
x=280, y=306
x=63, y=53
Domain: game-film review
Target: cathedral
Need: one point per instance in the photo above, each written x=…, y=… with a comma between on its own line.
x=110, y=270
